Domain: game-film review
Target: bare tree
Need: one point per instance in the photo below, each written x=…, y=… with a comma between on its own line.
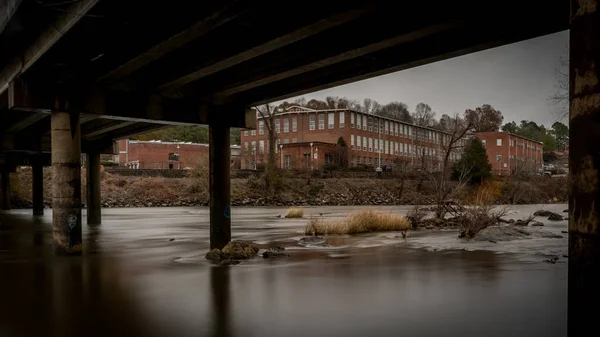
x=397, y=110
x=560, y=98
x=267, y=113
x=301, y=101
x=423, y=115
x=484, y=118
x=451, y=143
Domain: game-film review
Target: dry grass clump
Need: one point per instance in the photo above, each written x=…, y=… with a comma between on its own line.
x=364, y=221
x=481, y=215
x=295, y=212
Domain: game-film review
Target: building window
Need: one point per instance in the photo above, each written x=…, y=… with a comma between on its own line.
x=277, y=142
x=410, y=131
x=246, y=164
x=294, y=124
x=331, y=120
x=396, y=148
x=396, y=127
x=387, y=126
x=359, y=160
x=376, y=146
x=499, y=142
x=286, y=125
x=370, y=144
x=364, y=118
x=352, y=162
x=294, y=140
x=380, y=126
x=261, y=147
x=364, y=143
x=253, y=147
x=329, y=158
x=341, y=121
x=352, y=120
x=288, y=161
x=351, y=142
x=358, y=122
x=499, y=157
x=321, y=121
x=246, y=147
x=277, y=126
x=253, y=132
x=387, y=147
x=174, y=156
x=286, y=141
x=410, y=149
x=358, y=147
x=311, y=122
x=246, y=133
x=370, y=123
x=261, y=128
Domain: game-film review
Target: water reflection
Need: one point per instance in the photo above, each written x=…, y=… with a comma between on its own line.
x=220, y=292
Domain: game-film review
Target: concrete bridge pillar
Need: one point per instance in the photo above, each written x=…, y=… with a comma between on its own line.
x=66, y=183
x=220, y=198
x=584, y=165
x=93, y=189
x=5, y=186
x=37, y=186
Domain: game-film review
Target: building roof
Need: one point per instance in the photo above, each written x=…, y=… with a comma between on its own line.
x=511, y=134
x=133, y=141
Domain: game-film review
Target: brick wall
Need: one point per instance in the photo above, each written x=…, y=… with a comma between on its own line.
x=508, y=153
x=155, y=155
x=412, y=141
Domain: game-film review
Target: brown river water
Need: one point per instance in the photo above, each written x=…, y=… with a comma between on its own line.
x=143, y=273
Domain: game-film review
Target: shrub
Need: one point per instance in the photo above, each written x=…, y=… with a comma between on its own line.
x=364, y=221
x=295, y=212
x=473, y=162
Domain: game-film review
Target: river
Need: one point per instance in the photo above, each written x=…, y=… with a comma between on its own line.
x=143, y=273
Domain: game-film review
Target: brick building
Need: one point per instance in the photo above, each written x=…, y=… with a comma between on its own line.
x=157, y=154
x=308, y=138
x=509, y=153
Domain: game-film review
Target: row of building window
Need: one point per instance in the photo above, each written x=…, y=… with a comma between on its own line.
x=515, y=143
x=372, y=124
x=388, y=147
x=261, y=145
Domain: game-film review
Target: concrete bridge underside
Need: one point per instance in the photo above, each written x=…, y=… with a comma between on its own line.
x=74, y=76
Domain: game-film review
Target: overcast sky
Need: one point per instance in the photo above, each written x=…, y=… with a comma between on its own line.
x=516, y=79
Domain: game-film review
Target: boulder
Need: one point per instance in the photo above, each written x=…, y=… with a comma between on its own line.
x=274, y=252
x=542, y=212
x=313, y=241
x=555, y=217
x=520, y=222
x=537, y=224
x=215, y=255
x=500, y=233
x=239, y=250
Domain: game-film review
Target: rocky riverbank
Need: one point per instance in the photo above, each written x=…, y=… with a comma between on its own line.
x=127, y=191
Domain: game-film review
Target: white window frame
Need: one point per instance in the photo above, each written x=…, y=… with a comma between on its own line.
x=358, y=144
x=253, y=132
x=370, y=144
x=261, y=128
x=246, y=147
x=387, y=147
x=294, y=140
x=277, y=125
x=331, y=120
x=358, y=121
x=286, y=125
x=341, y=119
x=387, y=127
x=396, y=126
x=261, y=147
x=321, y=121
x=246, y=133
x=364, y=122
x=376, y=144
x=499, y=142
x=277, y=142
x=483, y=142
x=286, y=141
x=294, y=124
x=352, y=120
x=351, y=142
x=311, y=122
x=364, y=143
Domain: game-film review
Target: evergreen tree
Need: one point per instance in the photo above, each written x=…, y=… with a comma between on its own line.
x=473, y=163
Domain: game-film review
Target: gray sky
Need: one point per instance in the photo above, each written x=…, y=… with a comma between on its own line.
x=516, y=79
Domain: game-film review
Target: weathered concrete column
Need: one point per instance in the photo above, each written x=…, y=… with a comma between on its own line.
x=66, y=183
x=220, y=207
x=584, y=165
x=5, y=186
x=93, y=189
x=37, y=186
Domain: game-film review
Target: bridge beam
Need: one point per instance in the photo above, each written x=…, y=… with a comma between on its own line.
x=66, y=183
x=219, y=181
x=37, y=185
x=5, y=186
x=93, y=189
x=584, y=165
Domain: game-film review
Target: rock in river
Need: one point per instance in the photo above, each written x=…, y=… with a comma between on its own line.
x=234, y=250
x=537, y=224
x=274, y=252
x=542, y=212
x=555, y=217
x=313, y=241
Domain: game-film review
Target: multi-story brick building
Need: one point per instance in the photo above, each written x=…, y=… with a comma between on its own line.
x=308, y=139
x=509, y=153
x=154, y=154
